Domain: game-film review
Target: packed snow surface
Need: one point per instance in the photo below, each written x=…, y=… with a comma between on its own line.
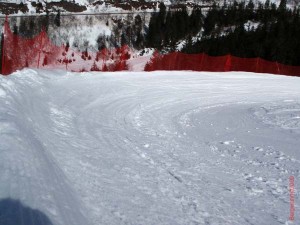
x=148, y=148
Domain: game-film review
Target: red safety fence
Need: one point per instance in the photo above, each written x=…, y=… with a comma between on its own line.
x=39, y=52
x=203, y=62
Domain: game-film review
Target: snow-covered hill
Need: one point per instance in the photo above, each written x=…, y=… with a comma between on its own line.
x=148, y=148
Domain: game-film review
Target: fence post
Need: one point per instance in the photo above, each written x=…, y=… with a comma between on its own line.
x=256, y=67
x=278, y=70
x=2, y=52
x=201, y=62
x=3, y=46
x=227, y=66
x=176, y=62
x=41, y=46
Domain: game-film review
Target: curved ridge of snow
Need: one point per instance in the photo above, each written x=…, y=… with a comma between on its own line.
x=150, y=148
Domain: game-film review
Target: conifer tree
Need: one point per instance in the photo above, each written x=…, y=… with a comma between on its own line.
x=57, y=19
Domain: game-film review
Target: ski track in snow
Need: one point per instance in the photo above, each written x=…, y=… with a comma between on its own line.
x=150, y=148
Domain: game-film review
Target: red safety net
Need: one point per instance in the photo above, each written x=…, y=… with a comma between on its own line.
x=39, y=52
x=203, y=62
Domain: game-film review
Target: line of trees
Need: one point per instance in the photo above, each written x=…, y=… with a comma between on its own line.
x=241, y=29
x=269, y=32
x=166, y=28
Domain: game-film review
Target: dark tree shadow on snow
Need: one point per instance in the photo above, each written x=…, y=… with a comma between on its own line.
x=13, y=212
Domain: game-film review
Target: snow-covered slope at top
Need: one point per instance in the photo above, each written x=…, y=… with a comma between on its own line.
x=148, y=148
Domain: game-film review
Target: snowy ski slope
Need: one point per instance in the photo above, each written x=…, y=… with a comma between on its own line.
x=148, y=148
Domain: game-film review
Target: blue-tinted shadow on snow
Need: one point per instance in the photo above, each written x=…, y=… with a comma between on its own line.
x=13, y=212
